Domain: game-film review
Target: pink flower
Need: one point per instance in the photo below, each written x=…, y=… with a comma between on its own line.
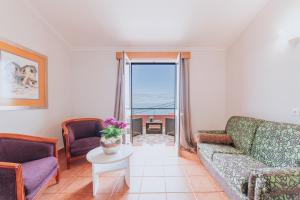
x=121, y=125
x=113, y=122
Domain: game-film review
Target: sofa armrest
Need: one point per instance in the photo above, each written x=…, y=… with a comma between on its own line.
x=11, y=181
x=212, y=131
x=36, y=147
x=215, y=138
x=282, y=183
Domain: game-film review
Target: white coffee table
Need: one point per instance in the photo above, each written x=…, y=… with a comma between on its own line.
x=106, y=163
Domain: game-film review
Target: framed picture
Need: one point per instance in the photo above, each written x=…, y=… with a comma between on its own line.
x=23, y=78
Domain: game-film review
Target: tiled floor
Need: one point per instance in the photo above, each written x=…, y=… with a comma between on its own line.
x=157, y=174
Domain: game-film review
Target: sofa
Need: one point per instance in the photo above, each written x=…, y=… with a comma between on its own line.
x=80, y=136
x=262, y=163
x=27, y=164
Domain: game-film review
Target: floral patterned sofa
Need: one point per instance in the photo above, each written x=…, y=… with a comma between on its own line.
x=262, y=163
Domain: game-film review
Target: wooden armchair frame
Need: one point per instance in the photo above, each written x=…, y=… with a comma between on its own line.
x=18, y=167
x=65, y=134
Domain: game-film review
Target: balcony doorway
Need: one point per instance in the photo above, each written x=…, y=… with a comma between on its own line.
x=153, y=103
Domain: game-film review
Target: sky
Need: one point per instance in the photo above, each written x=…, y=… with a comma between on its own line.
x=153, y=85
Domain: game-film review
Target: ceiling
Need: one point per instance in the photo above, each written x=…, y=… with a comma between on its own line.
x=148, y=23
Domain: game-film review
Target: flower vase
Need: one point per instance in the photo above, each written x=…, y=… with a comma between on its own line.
x=111, y=145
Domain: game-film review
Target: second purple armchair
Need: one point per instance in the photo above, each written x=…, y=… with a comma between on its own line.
x=80, y=136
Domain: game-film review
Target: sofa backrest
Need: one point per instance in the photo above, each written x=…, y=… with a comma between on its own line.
x=277, y=144
x=242, y=131
x=20, y=151
x=83, y=129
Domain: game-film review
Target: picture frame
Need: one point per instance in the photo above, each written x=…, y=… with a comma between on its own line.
x=23, y=78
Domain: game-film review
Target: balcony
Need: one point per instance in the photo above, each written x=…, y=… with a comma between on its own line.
x=153, y=126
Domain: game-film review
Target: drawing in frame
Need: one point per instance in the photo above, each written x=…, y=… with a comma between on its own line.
x=23, y=78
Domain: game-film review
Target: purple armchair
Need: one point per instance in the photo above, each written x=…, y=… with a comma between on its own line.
x=80, y=136
x=27, y=164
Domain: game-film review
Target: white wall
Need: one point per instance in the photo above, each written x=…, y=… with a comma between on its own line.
x=94, y=75
x=263, y=74
x=19, y=25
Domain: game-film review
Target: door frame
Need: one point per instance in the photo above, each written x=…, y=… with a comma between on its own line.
x=176, y=107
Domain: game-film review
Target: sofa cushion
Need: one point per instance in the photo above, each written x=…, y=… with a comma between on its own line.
x=208, y=150
x=277, y=144
x=83, y=129
x=242, y=130
x=236, y=169
x=35, y=172
x=84, y=145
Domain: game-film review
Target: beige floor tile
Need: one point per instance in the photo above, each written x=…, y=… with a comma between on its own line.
x=195, y=170
x=79, y=185
x=154, y=196
x=177, y=184
x=181, y=196
x=173, y=170
x=153, y=171
x=135, y=185
x=47, y=196
x=57, y=188
x=153, y=184
x=136, y=171
x=212, y=196
x=203, y=184
x=122, y=196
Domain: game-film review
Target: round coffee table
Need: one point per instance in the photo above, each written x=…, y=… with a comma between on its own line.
x=106, y=163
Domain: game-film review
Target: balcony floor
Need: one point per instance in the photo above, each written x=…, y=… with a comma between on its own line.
x=153, y=139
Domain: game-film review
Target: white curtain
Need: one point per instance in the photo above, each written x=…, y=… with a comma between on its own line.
x=186, y=136
x=119, y=111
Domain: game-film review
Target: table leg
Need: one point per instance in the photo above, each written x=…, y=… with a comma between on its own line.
x=127, y=172
x=95, y=180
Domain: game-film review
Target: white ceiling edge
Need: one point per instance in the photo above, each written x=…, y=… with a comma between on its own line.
x=149, y=49
x=52, y=30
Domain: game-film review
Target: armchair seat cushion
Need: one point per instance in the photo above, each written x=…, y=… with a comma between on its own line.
x=208, y=150
x=236, y=169
x=84, y=145
x=37, y=171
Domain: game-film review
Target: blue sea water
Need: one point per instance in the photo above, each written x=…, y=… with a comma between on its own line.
x=153, y=104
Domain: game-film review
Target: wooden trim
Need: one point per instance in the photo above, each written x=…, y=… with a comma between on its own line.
x=153, y=55
x=19, y=178
x=28, y=138
x=65, y=133
x=119, y=55
x=186, y=55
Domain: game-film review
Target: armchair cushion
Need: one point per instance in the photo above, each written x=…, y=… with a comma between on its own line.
x=35, y=172
x=215, y=138
x=20, y=151
x=84, y=145
x=83, y=129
